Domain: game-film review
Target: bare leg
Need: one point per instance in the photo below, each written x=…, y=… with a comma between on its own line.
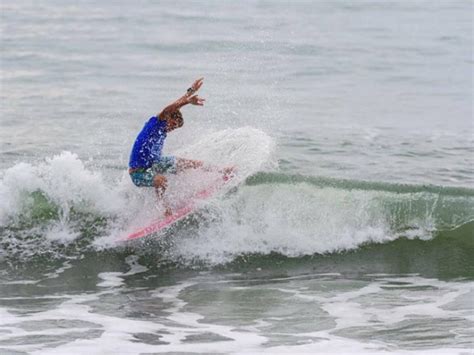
x=161, y=183
x=184, y=164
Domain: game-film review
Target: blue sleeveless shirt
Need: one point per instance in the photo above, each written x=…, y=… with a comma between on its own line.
x=149, y=144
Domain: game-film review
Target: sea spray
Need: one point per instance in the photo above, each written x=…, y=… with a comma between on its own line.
x=76, y=202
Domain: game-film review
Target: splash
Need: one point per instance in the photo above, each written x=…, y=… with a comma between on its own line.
x=61, y=200
x=55, y=203
x=248, y=148
x=63, y=179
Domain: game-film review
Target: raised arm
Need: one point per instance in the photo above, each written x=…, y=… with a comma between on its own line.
x=187, y=98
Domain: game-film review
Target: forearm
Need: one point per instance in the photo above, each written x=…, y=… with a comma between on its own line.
x=175, y=106
x=187, y=98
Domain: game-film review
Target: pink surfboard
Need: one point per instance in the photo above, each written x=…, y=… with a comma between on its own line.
x=178, y=214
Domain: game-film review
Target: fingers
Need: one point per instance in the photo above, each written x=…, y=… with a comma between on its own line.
x=197, y=84
x=196, y=100
x=192, y=99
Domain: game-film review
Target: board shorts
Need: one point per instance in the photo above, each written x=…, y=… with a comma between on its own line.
x=144, y=177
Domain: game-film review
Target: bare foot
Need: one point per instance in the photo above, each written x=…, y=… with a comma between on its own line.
x=228, y=171
x=168, y=212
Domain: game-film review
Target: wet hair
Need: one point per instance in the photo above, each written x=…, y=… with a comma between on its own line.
x=177, y=116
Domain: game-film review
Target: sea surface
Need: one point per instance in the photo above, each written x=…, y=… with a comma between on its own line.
x=350, y=228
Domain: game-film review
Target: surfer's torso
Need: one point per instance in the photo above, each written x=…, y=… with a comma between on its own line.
x=149, y=144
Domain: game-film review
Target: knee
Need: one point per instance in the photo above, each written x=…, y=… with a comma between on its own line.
x=160, y=182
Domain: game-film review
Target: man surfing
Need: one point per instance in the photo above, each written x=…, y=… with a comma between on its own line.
x=147, y=165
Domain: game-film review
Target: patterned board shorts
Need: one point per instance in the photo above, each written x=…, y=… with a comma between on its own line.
x=144, y=177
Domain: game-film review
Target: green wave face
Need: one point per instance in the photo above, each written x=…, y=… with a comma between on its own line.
x=445, y=207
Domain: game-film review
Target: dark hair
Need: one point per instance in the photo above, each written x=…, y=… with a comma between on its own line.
x=178, y=117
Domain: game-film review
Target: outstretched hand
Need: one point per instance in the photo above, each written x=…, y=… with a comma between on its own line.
x=197, y=84
x=196, y=100
x=187, y=98
x=194, y=87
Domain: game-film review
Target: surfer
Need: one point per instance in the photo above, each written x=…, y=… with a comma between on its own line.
x=147, y=165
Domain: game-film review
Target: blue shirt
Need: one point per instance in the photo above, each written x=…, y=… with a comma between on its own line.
x=148, y=145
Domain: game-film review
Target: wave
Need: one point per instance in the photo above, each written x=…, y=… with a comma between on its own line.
x=61, y=208
x=448, y=255
x=297, y=216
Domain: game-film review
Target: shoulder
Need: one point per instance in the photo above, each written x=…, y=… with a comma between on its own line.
x=154, y=120
x=157, y=123
x=154, y=124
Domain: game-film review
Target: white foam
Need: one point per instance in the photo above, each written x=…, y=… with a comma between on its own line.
x=61, y=232
x=111, y=279
x=64, y=180
x=58, y=271
x=116, y=279
x=180, y=320
x=352, y=309
x=117, y=335
x=293, y=220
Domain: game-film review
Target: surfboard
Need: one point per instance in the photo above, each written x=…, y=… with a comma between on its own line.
x=178, y=214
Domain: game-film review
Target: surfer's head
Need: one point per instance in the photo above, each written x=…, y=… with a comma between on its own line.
x=174, y=121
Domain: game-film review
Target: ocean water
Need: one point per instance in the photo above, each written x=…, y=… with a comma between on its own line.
x=351, y=229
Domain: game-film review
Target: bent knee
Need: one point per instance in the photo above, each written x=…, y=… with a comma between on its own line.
x=160, y=182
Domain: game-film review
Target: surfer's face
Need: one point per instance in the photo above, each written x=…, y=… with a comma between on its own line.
x=175, y=121
x=173, y=124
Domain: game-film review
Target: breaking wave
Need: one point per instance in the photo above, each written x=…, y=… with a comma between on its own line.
x=61, y=208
